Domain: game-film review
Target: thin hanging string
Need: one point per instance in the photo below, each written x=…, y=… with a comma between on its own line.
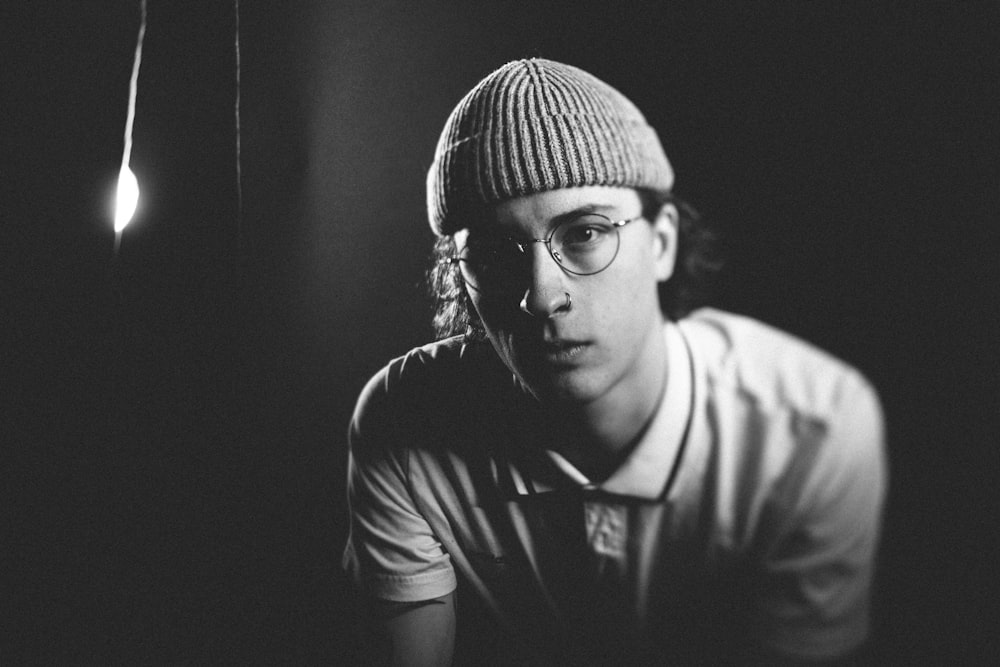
x=239, y=169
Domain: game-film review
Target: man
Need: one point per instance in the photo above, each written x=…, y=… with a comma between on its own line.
x=614, y=478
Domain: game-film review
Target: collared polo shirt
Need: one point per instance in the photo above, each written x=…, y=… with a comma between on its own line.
x=746, y=517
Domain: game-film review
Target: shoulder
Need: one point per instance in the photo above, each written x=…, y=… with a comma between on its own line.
x=800, y=422
x=803, y=462
x=423, y=390
x=447, y=369
x=773, y=369
x=420, y=366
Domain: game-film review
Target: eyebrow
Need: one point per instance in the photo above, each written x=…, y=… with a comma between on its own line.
x=498, y=233
x=580, y=210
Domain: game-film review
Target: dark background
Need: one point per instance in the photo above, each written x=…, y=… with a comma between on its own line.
x=173, y=419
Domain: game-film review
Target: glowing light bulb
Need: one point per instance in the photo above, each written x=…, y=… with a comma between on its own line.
x=127, y=198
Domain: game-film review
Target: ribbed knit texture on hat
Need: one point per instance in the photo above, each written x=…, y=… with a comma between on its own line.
x=537, y=125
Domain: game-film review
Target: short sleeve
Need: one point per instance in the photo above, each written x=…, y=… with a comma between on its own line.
x=392, y=552
x=816, y=586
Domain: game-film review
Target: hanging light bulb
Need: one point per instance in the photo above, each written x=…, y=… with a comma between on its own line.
x=126, y=199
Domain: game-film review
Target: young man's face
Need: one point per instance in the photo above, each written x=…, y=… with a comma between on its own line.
x=603, y=337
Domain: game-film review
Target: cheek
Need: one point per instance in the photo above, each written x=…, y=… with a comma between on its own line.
x=622, y=297
x=496, y=313
x=633, y=277
x=625, y=306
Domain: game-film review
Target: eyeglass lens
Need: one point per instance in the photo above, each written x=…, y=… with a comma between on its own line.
x=582, y=246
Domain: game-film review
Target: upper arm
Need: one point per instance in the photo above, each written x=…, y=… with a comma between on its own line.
x=392, y=551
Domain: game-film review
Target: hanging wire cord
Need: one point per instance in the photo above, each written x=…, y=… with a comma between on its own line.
x=239, y=168
x=133, y=87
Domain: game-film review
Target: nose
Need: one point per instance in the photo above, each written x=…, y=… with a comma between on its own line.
x=545, y=296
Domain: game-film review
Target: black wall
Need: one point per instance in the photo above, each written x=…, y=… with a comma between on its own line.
x=173, y=417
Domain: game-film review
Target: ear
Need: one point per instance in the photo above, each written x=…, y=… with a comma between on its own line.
x=665, y=231
x=459, y=238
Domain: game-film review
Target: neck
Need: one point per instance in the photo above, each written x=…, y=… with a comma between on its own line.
x=604, y=431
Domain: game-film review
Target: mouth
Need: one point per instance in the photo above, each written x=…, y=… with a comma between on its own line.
x=560, y=351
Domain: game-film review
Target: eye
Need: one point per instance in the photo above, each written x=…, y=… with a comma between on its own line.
x=587, y=230
x=489, y=253
x=483, y=246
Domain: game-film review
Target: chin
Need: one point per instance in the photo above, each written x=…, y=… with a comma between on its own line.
x=563, y=388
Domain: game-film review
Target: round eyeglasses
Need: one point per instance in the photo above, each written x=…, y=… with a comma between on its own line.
x=581, y=246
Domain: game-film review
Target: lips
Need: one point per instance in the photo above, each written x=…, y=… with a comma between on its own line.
x=560, y=351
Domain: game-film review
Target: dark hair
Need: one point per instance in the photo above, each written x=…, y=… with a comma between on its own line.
x=699, y=259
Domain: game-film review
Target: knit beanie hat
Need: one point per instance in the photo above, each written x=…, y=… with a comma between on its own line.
x=537, y=125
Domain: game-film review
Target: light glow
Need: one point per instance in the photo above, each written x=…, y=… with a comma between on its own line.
x=127, y=198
